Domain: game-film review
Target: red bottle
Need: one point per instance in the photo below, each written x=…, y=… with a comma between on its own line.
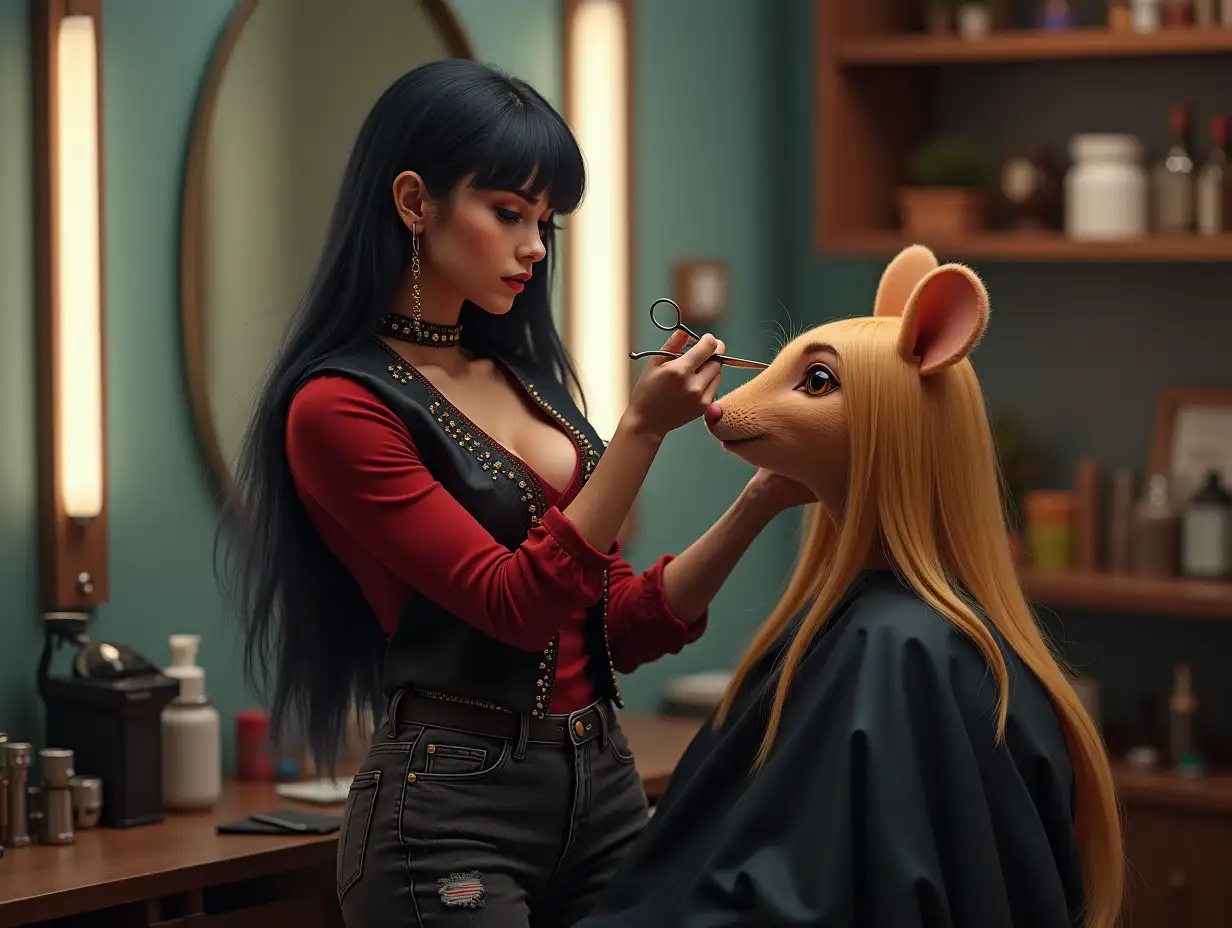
x=254, y=760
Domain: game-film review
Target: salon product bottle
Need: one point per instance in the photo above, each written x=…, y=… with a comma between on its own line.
x=1087, y=533
x=1175, y=183
x=1182, y=708
x=1214, y=182
x=1121, y=522
x=1050, y=528
x=1178, y=13
x=192, y=734
x=1206, y=535
x=1156, y=531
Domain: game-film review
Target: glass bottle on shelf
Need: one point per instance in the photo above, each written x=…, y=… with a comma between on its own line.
x=1174, y=178
x=1206, y=531
x=1056, y=15
x=1214, y=184
x=1178, y=13
x=1156, y=531
x=1182, y=707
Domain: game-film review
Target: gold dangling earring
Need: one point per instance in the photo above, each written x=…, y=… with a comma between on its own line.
x=416, y=305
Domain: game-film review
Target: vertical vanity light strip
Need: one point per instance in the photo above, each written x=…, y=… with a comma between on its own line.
x=70, y=289
x=598, y=254
x=78, y=282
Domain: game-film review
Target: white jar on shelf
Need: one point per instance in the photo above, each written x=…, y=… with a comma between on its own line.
x=974, y=20
x=1106, y=189
x=1146, y=15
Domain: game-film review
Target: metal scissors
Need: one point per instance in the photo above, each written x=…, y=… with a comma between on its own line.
x=663, y=353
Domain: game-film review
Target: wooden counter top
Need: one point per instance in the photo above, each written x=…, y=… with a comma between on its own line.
x=1210, y=794
x=108, y=867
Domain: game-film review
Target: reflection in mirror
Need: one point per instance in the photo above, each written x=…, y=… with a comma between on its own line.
x=289, y=87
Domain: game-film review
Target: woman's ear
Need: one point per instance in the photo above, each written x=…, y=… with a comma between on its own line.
x=900, y=277
x=945, y=317
x=410, y=199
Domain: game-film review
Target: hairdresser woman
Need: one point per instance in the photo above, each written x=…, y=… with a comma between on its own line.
x=428, y=531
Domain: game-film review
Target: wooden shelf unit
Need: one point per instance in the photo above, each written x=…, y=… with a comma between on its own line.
x=875, y=76
x=1140, y=595
x=1030, y=45
x=1042, y=246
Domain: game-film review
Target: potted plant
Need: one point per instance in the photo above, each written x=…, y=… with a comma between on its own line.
x=944, y=199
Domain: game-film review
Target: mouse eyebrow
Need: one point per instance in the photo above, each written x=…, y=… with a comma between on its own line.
x=818, y=348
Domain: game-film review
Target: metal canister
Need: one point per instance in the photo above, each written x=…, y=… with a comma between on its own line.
x=87, y=801
x=56, y=823
x=17, y=756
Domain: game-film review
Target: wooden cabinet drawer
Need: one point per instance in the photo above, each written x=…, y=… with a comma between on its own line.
x=1176, y=868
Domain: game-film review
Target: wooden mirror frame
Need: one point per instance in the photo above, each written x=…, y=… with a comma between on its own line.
x=192, y=244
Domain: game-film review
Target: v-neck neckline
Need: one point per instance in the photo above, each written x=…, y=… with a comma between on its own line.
x=550, y=493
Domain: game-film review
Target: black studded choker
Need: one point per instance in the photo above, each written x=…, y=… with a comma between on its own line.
x=418, y=332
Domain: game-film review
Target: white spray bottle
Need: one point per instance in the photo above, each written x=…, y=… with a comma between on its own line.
x=192, y=734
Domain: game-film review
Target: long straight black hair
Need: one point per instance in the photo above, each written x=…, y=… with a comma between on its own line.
x=312, y=645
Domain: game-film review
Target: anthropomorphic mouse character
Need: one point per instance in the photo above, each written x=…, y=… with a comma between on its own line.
x=898, y=747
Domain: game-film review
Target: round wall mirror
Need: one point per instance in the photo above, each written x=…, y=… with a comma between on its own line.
x=288, y=89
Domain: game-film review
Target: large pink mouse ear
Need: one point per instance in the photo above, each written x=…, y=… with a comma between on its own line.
x=945, y=317
x=899, y=278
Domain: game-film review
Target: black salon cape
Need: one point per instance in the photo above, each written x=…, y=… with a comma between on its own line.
x=885, y=801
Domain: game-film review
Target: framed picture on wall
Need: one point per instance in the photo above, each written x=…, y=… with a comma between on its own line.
x=701, y=291
x=1193, y=436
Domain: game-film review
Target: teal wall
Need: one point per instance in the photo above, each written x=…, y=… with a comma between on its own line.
x=162, y=514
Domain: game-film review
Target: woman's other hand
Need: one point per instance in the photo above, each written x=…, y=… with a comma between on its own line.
x=775, y=493
x=672, y=392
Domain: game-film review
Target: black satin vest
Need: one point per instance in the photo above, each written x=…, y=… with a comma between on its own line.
x=432, y=650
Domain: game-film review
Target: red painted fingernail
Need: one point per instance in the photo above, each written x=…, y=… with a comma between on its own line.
x=713, y=413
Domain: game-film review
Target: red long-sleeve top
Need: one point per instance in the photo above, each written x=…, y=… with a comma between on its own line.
x=395, y=528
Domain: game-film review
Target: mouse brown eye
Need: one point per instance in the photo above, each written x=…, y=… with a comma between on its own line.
x=819, y=380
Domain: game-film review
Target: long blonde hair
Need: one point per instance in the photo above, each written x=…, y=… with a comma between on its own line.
x=924, y=483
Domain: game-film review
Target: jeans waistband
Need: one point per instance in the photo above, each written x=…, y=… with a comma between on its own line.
x=578, y=727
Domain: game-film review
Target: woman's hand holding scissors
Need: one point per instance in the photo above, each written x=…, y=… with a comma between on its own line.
x=673, y=391
x=677, y=325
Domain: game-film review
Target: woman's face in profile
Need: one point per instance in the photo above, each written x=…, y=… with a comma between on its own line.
x=484, y=246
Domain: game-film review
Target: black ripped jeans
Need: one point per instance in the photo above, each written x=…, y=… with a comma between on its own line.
x=475, y=818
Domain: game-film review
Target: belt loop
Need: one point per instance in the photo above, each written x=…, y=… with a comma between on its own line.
x=603, y=731
x=519, y=750
x=391, y=717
